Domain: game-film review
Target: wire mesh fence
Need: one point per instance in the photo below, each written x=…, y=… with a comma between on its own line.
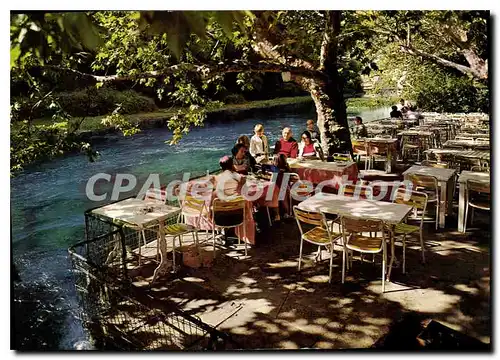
x=118, y=315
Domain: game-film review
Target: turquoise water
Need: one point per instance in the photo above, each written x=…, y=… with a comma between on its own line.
x=48, y=202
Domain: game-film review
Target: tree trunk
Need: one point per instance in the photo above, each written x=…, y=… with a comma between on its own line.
x=332, y=118
x=328, y=96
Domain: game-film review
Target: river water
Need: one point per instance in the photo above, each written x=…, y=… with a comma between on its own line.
x=48, y=202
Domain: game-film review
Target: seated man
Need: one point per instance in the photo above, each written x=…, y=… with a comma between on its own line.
x=360, y=129
x=395, y=113
x=287, y=144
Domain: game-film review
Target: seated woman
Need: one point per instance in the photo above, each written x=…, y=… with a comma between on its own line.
x=309, y=148
x=228, y=182
x=241, y=162
x=243, y=139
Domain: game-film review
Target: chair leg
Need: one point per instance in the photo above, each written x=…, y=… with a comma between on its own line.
x=384, y=261
x=422, y=245
x=404, y=253
x=437, y=214
x=344, y=254
x=213, y=238
x=331, y=263
x=269, y=216
x=173, y=252
x=300, y=252
x=472, y=216
x=373, y=258
x=466, y=214
x=197, y=245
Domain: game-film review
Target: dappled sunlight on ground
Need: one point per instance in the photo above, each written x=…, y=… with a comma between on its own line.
x=264, y=302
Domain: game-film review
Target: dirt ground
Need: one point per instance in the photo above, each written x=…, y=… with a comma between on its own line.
x=264, y=302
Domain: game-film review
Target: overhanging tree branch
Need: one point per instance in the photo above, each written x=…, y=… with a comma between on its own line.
x=481, y=74
x=205, y=71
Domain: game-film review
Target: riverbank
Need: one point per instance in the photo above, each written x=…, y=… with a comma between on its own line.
x=93, y=125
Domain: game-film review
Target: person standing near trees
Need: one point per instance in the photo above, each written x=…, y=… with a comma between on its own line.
x=259, y=147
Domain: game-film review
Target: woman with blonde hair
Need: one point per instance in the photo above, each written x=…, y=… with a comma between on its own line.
x=259, y=147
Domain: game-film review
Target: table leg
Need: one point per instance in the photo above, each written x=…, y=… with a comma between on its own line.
x=163, y=266
x=461, y=208
x=442, y=204
x=450, y=190
x=393, y=253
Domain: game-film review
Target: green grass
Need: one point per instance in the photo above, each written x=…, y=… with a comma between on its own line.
x=94, y=123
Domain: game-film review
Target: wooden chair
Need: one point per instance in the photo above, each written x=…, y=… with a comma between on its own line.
x=434, y=164
x=477, y=196
x=319, y=235
x=428, y=185
x=190, y=207
x=353, y=230
x=360, y=191
x=342, y=157
x=417, y=200
x=299, y=190
x=227, y=214
x=360, y=150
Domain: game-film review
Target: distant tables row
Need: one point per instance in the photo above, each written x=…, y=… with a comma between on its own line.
x=446, y=183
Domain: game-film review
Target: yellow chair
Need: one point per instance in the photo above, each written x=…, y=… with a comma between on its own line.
x=227, y=214
x=354, y=237
x=342, y=157
x=360, y=191
x=190, y=207
x=428, y=185
x=434, y=164
x=319, y=235
x=477, y=196
x=417, y=200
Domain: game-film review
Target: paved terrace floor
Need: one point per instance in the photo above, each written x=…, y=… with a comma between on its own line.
x=265, y=303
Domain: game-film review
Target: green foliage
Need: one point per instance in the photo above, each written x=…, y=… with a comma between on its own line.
x=119, y=122
x=88, y=102
x=437, y=90
x=93, y=102
x=31, y=144
x=234, y=99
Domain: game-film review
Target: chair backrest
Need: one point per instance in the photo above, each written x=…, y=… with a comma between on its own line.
x=466, y=138
x=478, y=186
x=352, y=224
x=415, y=199
x=435, y=164
x=361, y=191
x=461, y=163
x=191, y=206
x=423, y=181
x=342, y=157
x=308, y=217
x=159, y=195
x=480, y=169
x=228, y=213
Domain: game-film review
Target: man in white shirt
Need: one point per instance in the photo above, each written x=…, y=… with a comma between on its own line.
x=259, y=147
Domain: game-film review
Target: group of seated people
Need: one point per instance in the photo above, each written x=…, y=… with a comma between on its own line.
x=405, y=109
x=248, y=155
